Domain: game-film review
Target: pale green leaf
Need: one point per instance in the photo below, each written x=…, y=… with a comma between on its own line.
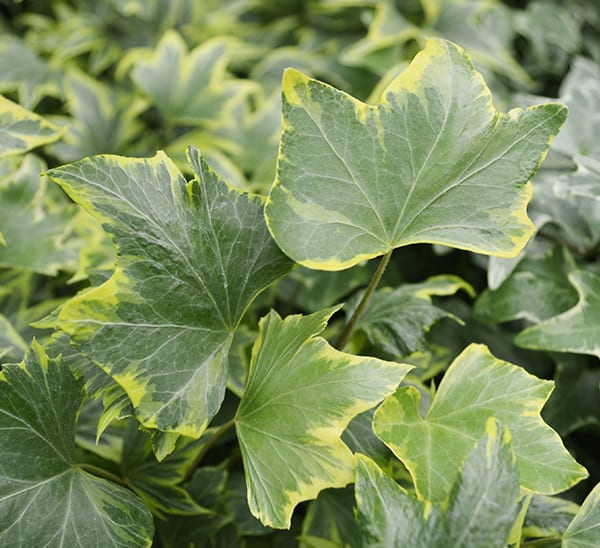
x=46, y=499
x=475, y=387
x=434, y=162
x=576, y=330
x=12, y=345
x=189, y=88
x=536, y=290
x=480, y=513
x=300, y=396
x=585, y=181
x=205, y=246
x=21, y=130
x=35, y=233
x=584, y=530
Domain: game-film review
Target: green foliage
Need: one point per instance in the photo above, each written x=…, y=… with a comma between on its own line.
x=195, y=347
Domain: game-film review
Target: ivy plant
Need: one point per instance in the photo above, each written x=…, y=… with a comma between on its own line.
x=383, y=333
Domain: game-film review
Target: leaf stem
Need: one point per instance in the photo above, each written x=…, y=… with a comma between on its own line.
x=349, y=327
x=207, y=446
x=102, y=473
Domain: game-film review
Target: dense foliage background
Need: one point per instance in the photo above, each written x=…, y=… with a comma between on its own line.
x=131, y=77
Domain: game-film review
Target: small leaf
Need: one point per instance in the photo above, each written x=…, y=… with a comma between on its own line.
x=481, y=510
x=548, y=516
x=192, y=256
x=189, y=88
x=434, y=162
x=21, y=130
x=536, y=290
x=575, y=330
x=476, y=386
x=584, y=530
x=300, y=396
x=45, y=498
x=395, y=322
x=35, y=232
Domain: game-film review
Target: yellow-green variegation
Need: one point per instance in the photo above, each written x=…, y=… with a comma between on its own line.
x=433, y=162
x=191, y=257
x=300, y=396
x=46, y=497
x=477, y=386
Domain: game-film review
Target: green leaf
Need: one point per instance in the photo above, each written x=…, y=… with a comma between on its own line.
x=296, y=375
x=575, y=330
x=12, y=345
x=476, y=386
x=536, y=290
x=23, y=71
x=46, y=499
x=548, y=516
x=584, y=530
x=21, y=130
x=434, y=162
x=189, y=88
x=156, y=483
x=205, y=245
x=584, y=182
x=34, y=230
x=395, y=322
x=481, y=510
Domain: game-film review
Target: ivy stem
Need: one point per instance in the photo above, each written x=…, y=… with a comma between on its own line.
x=349, y=327
x=207, y=446
x=102, y=473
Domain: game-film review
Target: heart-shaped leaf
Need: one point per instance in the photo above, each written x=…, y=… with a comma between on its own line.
x=433, y=162
x=300, y=396
x=192, y=256
x=46, y=499
x=476, y=386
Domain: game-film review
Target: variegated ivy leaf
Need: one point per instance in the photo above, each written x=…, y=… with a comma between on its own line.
x=481, y=509
x=433, y=162
x=396, y=321
x=475, y=387
x=35, y=230
x=300, y=396
x=189, y=88
x=46, y=498
x=192, y=256
x=21, y=130
x=584, y=530
x=577, y=329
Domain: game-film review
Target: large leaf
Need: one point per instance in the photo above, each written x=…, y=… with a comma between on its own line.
x=434, y=162
x=22, y=130
x=300, y=396
x=192, y=256
x=46, y=499
x=476, y=386
x=480, y=512
x=576, y=330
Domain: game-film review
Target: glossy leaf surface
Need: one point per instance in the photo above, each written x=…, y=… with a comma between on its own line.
x=300, y=396
x=45, y=498
x=192, y=256
x=356, y=181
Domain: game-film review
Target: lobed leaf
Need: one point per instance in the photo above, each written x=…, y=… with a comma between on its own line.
x=477, y=386
x=192, y=256
x=433, y=162
x=300, y=396
x=46, y=499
